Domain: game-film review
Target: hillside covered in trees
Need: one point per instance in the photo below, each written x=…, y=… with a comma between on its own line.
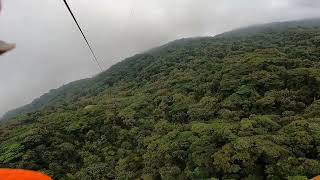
x=242, y=105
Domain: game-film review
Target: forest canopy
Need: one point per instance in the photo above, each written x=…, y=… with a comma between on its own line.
x=241, y=105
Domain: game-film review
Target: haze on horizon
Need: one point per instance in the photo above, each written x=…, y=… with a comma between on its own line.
x=51, y=52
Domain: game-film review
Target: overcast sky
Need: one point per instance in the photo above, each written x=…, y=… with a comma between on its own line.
x=50, y=51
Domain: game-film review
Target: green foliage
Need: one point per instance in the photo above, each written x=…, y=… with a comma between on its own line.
x=242, y=105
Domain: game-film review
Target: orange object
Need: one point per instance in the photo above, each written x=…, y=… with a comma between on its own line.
x=316, y=178
x=19, y=174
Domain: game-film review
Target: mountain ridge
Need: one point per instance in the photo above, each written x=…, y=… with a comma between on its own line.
x=253, y=29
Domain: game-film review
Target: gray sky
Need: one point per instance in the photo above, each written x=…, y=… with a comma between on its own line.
x=51, y=52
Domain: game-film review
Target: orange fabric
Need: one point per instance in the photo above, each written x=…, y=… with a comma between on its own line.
x=316, y=178
x=19, y=174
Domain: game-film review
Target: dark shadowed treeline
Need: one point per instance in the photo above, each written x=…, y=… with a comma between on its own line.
x=236, y=106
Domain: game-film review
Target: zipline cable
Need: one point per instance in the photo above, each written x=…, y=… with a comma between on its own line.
x=75, y=20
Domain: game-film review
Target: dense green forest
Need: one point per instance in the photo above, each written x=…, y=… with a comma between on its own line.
x=241, y=105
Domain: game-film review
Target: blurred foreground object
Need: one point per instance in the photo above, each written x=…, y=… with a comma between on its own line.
x=316, y=178
x=17, y=174
x=5, y=47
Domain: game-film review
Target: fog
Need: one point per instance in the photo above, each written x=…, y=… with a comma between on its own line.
x=51, y=52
